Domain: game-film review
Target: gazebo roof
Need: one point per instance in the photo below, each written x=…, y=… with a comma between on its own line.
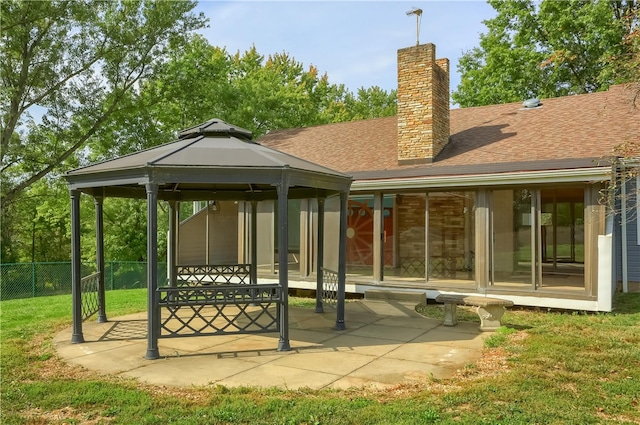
x=213, y=157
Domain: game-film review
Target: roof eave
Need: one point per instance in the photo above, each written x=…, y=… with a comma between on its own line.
x=583, y=175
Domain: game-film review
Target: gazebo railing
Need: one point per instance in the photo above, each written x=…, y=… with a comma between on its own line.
x=214, y=274
x=89, y=289
x=201, y=310
x=329, y=287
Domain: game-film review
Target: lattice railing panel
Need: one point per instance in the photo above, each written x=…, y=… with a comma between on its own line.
x=329, y=287
x=412, y=267
x=219, y=309
x=450, y=268
x=89, y=290
x=215, y=274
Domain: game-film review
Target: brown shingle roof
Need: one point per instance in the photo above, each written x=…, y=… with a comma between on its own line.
x=571, y=130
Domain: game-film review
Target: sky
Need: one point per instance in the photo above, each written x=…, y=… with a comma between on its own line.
x=354, y=42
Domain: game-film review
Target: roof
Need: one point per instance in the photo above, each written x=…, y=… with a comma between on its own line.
x=565, y=132
x=213, y=156
x=214, y=144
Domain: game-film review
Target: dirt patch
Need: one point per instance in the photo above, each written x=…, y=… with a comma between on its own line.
x=65, y=416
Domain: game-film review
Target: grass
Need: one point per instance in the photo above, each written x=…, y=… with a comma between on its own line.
x=544, y=367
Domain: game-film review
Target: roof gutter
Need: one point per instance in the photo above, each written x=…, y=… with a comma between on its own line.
x=591, y=175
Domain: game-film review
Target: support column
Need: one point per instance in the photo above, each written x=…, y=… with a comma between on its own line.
x=320, y=257
x=76, y=277
x=207, y=248
x=253, y=275
x=172, y=243
x=342, y=261
x=253, y=271
x=378, y=238
x=305, y=251
x=482, y=242
x=102, y=315
x=283, y=262
x=153, y=309
x=427, y=254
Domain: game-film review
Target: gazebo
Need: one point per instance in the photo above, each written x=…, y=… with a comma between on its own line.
x=213, y=161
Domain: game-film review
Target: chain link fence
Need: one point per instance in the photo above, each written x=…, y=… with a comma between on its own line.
x=28, y=280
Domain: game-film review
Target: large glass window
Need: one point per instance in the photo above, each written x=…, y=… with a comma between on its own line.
x=537, y=239
x=293, y=237
x=451, y=236
x=360, y=235
x=562, y=238
x=410, y=209
x=512, y=249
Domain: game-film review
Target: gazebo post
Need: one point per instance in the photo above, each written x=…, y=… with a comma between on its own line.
x=283, y=261
x=320, y=257
x=153, y=314
x=98, y=201
x=342, y=261
x=76, y=276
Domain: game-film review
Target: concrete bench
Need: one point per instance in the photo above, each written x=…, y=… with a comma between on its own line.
x=490, y=310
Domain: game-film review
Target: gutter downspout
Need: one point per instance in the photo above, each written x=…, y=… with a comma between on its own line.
x=625, y=274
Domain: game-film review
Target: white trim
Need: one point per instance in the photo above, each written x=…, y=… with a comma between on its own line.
x=606, y=286
x=547, y=301
x=594, y=174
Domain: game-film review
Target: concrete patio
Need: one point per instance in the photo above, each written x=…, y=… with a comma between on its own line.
x=386, y=343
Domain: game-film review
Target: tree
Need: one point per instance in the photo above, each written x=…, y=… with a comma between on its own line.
x=247, y=89
x=108, y=97
x=554, y=48
x=73, y=62
x=254, y=91
x=373, y=102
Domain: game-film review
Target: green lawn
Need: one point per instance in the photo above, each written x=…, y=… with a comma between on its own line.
x=542, y=367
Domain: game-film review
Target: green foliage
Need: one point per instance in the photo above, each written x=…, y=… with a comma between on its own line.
x=546, y=49
x=112, y=78
x=259, y=93
x=499, y=337
x=77, y=64
x=74, y=61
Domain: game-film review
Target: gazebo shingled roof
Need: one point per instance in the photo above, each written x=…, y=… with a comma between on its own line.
x=213, y=153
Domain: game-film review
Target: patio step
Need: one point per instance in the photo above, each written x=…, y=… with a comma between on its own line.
x=394, y=295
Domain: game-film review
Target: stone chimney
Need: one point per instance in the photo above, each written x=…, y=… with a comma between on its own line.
x=423, y=104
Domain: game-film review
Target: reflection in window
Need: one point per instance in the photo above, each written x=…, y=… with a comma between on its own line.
x=452, y=236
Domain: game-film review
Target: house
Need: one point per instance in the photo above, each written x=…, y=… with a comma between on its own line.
x=503, y=200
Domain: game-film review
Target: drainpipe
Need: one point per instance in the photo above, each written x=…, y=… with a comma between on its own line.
x=625, y=275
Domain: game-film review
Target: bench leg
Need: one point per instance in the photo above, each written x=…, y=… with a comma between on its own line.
x=450, y=314
x=490, y=317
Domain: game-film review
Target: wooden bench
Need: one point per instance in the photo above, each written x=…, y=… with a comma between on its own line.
x=490, y=310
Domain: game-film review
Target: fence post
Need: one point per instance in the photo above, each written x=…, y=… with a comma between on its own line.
x=33, y=280
x=111, y=274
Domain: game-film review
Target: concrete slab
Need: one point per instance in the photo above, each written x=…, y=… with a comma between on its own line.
x=190, y=370
x=269, y=375
x=384, y=343
x=362, y=345
x=440, y=355
x=455, y=336
x=393, y=333
x=335, y=362
x=415, y=297
x=393, y=371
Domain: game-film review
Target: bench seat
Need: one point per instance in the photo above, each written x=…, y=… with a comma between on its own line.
x=490, y=310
